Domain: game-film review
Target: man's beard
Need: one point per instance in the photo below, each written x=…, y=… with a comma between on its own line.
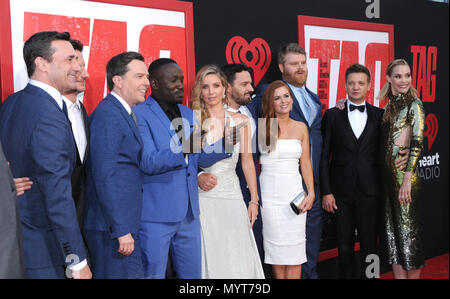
x=244, y=100
x=294, y=80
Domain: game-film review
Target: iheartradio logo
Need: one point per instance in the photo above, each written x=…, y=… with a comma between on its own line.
x=256, y=55
x=432, y=127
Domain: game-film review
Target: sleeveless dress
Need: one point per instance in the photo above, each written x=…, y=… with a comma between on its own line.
x=280, y=180
x=229, y=249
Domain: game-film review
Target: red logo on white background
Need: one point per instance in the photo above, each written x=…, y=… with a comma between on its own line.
x=256, y=55
x=332, y=45
x=106, y=28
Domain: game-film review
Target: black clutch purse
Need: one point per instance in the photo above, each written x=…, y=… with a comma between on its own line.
x=296, y=203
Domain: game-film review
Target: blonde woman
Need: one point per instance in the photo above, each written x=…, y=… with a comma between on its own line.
x=402, y=128
x=228, y=246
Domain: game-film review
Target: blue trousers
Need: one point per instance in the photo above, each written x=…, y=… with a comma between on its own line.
x=46, y=273
x=181, y=240
x=313, y=236
x=107, y=263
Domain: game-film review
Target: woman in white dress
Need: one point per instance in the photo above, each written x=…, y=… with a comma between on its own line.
x=283, y=146
x=228, y=246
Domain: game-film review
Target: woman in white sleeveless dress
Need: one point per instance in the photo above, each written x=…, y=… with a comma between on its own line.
x=285, y=144
x=228, y=246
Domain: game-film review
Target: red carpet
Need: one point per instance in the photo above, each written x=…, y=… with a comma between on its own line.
x=435, y=268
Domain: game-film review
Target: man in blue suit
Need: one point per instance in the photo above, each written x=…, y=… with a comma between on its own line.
x=239, y=92
x=37, y=140
x=170, y=222
x=307, y=109
x=114, y=180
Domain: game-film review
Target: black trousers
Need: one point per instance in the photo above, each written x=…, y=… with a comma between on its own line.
x=359, y=212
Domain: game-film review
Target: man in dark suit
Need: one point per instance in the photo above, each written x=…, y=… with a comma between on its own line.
x=239, y=92
x=37, y=140
x=307, y=109
x=114, y=182
x=348, y=170
x=12, y=263
x=80, y=129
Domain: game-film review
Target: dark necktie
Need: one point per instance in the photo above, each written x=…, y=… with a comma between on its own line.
x=134, y=117
x=360, y=108
x=64, y=109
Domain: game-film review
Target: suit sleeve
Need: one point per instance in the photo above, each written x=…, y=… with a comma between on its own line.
x=154, y=160
x=326, y=154
x=50, y=154
x=213, y=153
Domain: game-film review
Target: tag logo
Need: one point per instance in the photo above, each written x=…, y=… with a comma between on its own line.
x=256, y=55
x=432, y=128
x=332, y=45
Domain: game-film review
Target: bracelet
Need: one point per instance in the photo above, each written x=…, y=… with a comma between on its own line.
x=254, y=202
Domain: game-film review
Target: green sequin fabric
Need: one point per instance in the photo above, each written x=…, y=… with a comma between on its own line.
x=404, y=245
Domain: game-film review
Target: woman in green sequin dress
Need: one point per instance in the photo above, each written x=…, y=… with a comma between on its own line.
x=402, y=127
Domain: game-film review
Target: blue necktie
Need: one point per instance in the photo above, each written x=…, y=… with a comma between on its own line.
x=309, y=110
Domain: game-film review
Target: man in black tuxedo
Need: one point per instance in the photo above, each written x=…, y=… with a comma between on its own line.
x=80, y=129
x=348, y=170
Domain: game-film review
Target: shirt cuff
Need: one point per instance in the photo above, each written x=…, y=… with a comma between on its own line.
x=79, y=266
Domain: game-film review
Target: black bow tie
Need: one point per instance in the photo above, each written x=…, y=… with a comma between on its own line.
x=360, y=108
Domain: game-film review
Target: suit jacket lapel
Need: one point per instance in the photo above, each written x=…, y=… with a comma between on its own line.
x=127, y=117
x=86, y=130
x=297, y=110
x=157, y=110
x=188, y=122
x=348, y=127
x=368, y=122
x=318, y=103
x=39, y=91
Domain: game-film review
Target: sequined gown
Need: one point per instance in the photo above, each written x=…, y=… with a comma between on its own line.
x=402, y=118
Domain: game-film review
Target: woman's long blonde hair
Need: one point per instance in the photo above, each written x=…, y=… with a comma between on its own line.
x=198, y=105
x=386, y=91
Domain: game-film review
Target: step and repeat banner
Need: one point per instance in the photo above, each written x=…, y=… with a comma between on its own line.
x=335, y=35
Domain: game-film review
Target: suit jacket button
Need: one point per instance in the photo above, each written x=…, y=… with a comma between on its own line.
x=110, y=229
x=142, y=190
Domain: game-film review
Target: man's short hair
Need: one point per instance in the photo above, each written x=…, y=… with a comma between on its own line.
x=289, y=48
x=77, y=45
x=118, y=66
x=157, y=64
x=357, y=68
x=39, y=45
x=230, y=71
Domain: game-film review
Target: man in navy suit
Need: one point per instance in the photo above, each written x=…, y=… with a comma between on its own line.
x=80, y=128
x=170, y=213
x=37, y=140
x=114, y=180
x=307, y=109
x=239, y=92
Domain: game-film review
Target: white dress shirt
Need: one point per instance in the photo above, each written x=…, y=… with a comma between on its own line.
x=244, y=110
x=122, y=101
x=79, y=131
x=56, y=95
x=357, y=118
